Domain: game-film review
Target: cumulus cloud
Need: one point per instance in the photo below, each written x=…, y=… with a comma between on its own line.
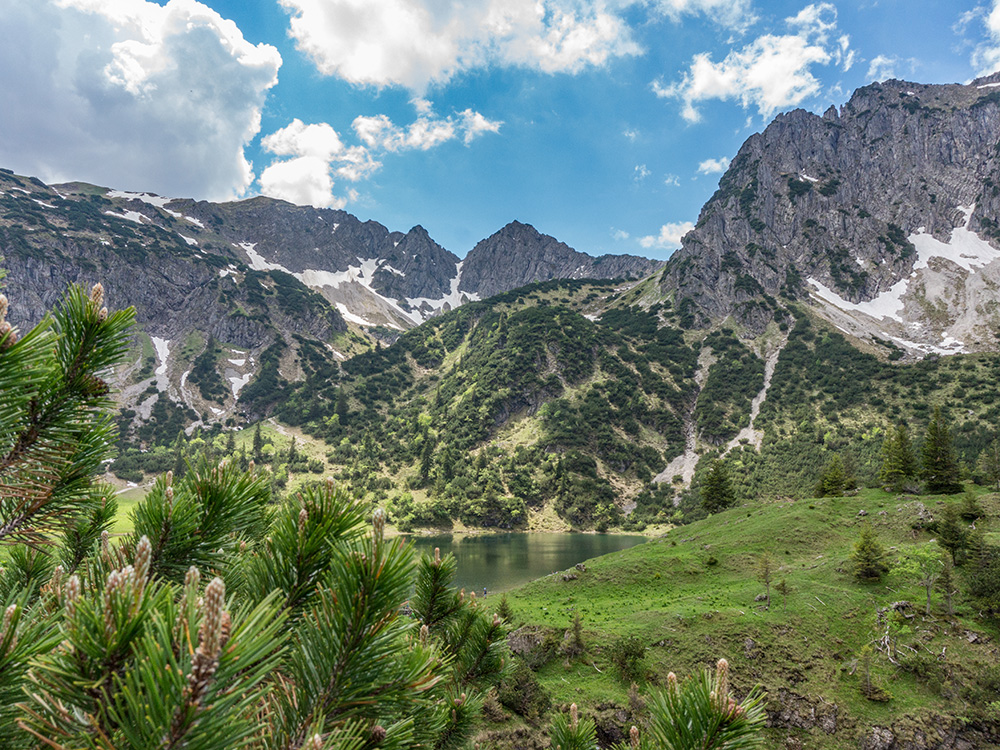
x=986, y=56
x=672, y=179
x=131, y=94
x=619, y=234
x=312, y=157
x=771, y=73
x=416, y=43
x=640, y=172
x=713, y=166
x=669, y=237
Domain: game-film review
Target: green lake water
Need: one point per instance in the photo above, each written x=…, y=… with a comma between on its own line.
x=503, y=561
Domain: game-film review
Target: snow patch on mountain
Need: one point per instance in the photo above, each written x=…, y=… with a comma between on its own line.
x=889, y=304
x=135, y=216
x=351, y=317
x=238, y=382
x=453, y=299
x=150, y=198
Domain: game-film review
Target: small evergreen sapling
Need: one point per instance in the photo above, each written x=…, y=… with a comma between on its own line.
x=868, y=556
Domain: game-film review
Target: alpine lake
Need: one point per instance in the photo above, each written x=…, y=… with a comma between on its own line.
x=499, y=562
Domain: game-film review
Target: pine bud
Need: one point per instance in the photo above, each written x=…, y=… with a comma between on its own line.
x=378, y=733
x=314, y=743
x=722, y=685
x=330, y=484
x=437, y=556
x=6, y=630
x=169, y=479
x=7, y=334
x=192, y=578
x=574, y=716
x=425, y=633
x=97, y=295
x=72, y=594
x=378, y=523
x=143, y=557
x=303, y=519
x=672, y=687
x=210, y=632
x=56, y=582
x=3, y=307
x=103, y=314
x=112, y=584
x=105, y=543
x=633, y=736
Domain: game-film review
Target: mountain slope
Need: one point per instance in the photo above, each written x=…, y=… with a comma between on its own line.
x=231, y=295
x=884, y=214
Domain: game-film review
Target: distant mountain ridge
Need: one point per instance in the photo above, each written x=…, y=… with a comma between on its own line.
x=886, y=214
x=251, y=275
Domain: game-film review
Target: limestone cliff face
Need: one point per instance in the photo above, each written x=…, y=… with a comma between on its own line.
x=844, y=207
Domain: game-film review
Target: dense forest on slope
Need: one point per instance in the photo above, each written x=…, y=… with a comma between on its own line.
x=560, y=402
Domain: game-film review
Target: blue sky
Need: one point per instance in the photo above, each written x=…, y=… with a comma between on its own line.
x=605, y=123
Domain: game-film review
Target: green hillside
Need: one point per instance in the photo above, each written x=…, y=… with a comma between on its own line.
x=690, y=597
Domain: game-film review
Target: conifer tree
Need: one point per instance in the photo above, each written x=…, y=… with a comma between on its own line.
x=898, y=461
x=700, y=714
x=868, y=556
x=951, y=533
x=946, y=584
x=834, y=480
x=940, y=466
x=300, y=639
x=258, y=444
x=989, y=463
x=716, y=490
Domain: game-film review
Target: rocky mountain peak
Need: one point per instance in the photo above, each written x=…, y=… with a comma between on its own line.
x=845, y=209
x=521, y=252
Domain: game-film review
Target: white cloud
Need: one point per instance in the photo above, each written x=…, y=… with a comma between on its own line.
x=640, y=172
x=631, y=134
x=303, y=180
x=619, y=234
x=131, y=94
x=474, y=125
x=672, y=179
x=986, y=56
x=427, y=131
x=771, y=73
x=735, y=14
x=669, y=237
x=298, y=139
x=882, y=68
x=713, y=166
x=311, y=156
x=416, y=43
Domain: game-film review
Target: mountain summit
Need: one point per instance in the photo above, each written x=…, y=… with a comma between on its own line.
x=884, y=214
